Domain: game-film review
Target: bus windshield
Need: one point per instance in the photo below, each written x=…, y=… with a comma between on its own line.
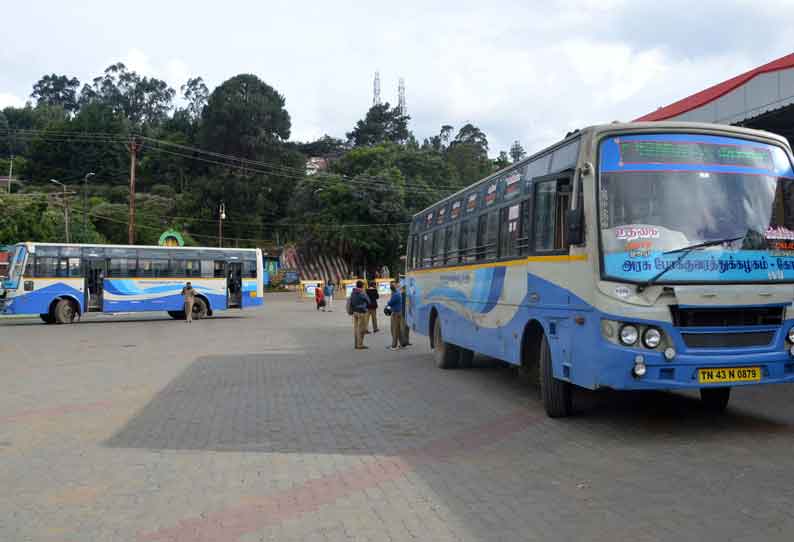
x=16, y=266
x=661, y=193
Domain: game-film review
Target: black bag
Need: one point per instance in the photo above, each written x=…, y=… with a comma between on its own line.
x=387, y=311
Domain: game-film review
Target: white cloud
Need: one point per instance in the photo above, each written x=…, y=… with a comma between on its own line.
x=10, y=100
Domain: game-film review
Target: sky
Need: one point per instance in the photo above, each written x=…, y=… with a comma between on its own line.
x=520, y=70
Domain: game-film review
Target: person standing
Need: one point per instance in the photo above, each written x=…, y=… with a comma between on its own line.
x=358, y=309
x=189, y=298
x=395, y=310
x=319, y=298
x=372, y=308
x=328, y=290
x=405, y=332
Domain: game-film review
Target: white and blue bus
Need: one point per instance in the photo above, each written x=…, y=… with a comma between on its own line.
x=59, y=282
x=627, y=256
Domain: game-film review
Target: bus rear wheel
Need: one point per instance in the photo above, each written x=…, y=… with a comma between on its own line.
x=64, y=312
x=47, y=318
x=715, y=399
x=200, y=309
x=557, y=394
x=447, y=355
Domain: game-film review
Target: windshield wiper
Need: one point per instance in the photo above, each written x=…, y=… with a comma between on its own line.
x=685, y=251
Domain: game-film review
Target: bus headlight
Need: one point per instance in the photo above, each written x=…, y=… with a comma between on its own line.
x=791, y=335
x=651, y=338
x=629, y=335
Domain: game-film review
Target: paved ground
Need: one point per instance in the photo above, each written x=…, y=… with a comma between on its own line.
x=268, y=426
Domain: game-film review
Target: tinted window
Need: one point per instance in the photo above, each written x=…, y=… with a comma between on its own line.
x=186, y=268
x=438, y=247
x=525, y=227
x=509, y=230
x=427, y=250
x=565, y=157
x=122, y=267
x=482, y=229
x=544, y=215
x=249, y=269
x=46, y=266
x=152, y=268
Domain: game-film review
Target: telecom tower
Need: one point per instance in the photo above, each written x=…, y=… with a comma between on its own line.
x=376, y=90
x=401, y=97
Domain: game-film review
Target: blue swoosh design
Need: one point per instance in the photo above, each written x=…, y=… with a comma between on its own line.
x=488, y=284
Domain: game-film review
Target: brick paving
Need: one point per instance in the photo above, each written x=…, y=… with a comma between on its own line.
x=268, y=426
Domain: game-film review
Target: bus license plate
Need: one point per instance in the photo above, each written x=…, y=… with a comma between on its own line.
x=729, y=374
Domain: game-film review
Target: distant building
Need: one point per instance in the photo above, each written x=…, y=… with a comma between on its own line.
x=315, y=165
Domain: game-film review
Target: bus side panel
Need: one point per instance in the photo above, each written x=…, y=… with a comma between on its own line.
x=44, y=291
x=252, y=292
x=153, y=294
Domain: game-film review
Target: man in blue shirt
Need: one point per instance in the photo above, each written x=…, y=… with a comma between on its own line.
x=359, y=303
x=395, y=305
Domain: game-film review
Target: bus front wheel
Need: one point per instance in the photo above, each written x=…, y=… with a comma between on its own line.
x=64, y=312
x=447, y=355
x=557, y=394
x=715, y=399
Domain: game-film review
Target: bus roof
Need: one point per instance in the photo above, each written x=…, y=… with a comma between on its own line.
x=599, y=129
x=226, y=249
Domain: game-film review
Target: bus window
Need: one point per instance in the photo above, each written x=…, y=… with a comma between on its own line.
x=249, y=269
x=525, y=227
x=122, y=267
x=149, y=267
x=438, y=248
x=414, y=250
x=449, y=235
x=186, y=268
x=471, y=241
x=220, y=269
x=508, y=231
x=482, y=228
x=207, y=269
x=544, y=215
x=492, y=236
x=552, y=198
x=427, y=250
x=46, y=266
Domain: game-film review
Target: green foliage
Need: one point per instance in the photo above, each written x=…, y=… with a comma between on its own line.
x=58, y=90
x=517, y=151
x=25, y=219
x=243, y=117
x=381, y=124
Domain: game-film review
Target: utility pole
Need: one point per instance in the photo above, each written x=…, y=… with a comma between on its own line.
x=134, y=148
x=10, y=172
x=85, y=205
x=65, y=209
x=221, y=218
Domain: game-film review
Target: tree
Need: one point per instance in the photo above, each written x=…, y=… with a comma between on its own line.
x=57, y=90
x=142, y=100
x=325, y=146
x=381, y=124
x=244, y=116
x=195, y=93
x=517, y=151
x=25, y=219
x=468, y=154
x=502, y=161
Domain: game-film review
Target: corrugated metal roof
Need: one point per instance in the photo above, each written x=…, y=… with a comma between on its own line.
x=710, y=94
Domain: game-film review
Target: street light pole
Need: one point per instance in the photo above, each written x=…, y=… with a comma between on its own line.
x=85, y=205
x=65, y=209
x=221, y=218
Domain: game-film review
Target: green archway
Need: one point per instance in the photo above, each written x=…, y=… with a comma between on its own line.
x=171, y=238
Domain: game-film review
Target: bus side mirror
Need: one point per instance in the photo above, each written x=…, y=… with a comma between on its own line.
x=575, y=220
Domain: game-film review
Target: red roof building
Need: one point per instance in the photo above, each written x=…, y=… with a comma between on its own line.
x=761, y=98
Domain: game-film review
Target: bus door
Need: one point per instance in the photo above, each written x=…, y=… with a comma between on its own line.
x=234, y=284
x=95, y=271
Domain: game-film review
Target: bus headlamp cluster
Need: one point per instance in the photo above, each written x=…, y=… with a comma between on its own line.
x=627, y=334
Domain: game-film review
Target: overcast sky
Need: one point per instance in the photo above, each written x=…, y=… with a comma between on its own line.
x=522, y=70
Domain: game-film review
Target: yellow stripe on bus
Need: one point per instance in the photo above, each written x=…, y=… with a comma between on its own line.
x=507, y=263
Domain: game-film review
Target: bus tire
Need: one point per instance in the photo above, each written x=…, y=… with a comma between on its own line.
x=466, y=358
x=64, y=312
x=557, y=394
x=200, y=309
x=177, y=315
x=715, y=399
x=47, y=318
x=447, y=355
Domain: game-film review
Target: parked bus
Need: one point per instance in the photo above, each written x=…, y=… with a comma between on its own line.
x=61, y=281
x=628, y=256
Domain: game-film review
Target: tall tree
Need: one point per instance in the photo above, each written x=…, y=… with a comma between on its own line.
x=468, y=154
x=381, y=124
x=195, y=93
x=142, y=100
x=517, y=151
x=57, y=90
x=244, y=116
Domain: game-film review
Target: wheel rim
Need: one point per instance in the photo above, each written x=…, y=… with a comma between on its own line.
x=68, y=312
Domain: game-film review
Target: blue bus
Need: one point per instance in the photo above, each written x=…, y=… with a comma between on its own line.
x=60, y=282
x=635, y=256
